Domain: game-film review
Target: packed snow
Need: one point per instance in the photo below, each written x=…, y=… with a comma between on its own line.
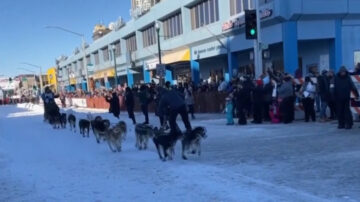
x=295, y=162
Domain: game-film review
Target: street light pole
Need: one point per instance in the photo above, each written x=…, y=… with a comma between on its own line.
x=83, y=48
x=114, y=56
x=157, y=27
x=258, y=45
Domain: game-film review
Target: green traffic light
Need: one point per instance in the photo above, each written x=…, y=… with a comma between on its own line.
x=252, y=32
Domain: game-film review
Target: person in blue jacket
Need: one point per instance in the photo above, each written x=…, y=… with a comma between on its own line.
x=172, y=101
x=229, y=111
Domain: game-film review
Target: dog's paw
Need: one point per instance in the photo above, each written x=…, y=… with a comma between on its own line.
x=184, y=157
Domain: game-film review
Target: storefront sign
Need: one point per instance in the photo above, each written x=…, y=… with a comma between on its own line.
x=208, y=50
x=160, y=70
x=151, y=64
x=104, y=73
x=239, y=20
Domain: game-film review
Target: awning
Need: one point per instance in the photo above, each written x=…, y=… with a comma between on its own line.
x=104, y=73
x=178, y=56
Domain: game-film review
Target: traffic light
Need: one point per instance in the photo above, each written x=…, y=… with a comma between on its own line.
x=250, y=24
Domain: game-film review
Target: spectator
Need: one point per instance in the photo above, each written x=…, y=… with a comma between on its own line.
x=331, y=79
x=286, y=93
x=324, y=93
x=114, y=104
x=241, y=100
x=308, y=91
x=130, y=103
x=144, y=97
x=223, y=85
x=268, y=91
x=258, y=102
x=343, y=87
x=189, y=99
x=357, y=70
x=229, y=110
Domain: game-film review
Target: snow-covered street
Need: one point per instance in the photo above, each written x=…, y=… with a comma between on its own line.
x=296, y=162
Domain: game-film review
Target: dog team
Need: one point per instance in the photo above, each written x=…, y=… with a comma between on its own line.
x=103, y=130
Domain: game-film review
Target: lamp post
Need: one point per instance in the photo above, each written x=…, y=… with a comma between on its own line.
x=82, y=46
x=157, y=27
x=113, y=47
x=40, y=68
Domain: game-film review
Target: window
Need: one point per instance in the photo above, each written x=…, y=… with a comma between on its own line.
x=117, y=49
x=88, y=61
x=204, y=13
x=75, y=66
x=149, y=36
x=238, y=6
x=96, y=56
x=173, y=26
x=131, y=43
x=81, y=64
x=105, y=53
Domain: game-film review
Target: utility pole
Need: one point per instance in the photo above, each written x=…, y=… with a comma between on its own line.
x=258, y=43
x=157, y=27
x=114, y=57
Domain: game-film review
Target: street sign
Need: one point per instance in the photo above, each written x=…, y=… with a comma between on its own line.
x=160, y=70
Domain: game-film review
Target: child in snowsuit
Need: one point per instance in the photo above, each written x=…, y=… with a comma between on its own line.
x=229, y=111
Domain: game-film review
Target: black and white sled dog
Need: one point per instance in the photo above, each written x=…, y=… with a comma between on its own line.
x=143, y=133
x=192, y=141
x=114, y=137
x=72, y=120
x=166, y=143
x=99, y=127
x=55, y=120
x=84, y=127
x=63, y=120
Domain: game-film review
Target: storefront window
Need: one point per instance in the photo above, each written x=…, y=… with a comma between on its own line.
x=204, y=13
x=238, y=6
x=173, y=26
x=149, y=36
x=131, y=43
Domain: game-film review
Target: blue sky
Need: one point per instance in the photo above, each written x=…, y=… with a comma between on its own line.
x=23, y=37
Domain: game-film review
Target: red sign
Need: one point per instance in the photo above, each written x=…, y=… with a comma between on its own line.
x=240, y=21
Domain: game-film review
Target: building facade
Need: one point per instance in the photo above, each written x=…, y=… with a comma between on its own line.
x=200, y=39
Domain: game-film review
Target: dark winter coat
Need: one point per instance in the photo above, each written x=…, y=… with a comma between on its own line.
x=286, y=90
x=170, y=99
x=344, y=86
x=258, y=95
x=324, y=88
x=114, y=105
x=268, y=90
x=48, y=97
x=144, y=97
x=241, y=97
x=129, y=100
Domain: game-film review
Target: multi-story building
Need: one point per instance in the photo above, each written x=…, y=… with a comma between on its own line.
x=199, y=38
